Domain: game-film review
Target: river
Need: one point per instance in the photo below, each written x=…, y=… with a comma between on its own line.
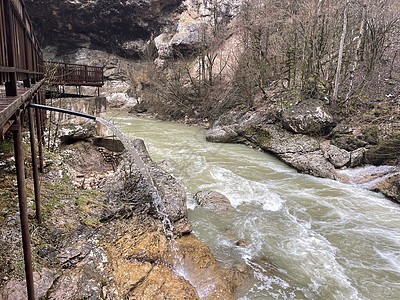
x=304, y=237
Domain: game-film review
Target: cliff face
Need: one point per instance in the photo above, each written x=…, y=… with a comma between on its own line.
x=126, y=27
x=120, y=27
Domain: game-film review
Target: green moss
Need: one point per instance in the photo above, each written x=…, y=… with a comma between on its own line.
x=387, y=151
x=258, y=135
x=91, y=222
x=87, y=202
x=371, y=134
x=7, y=147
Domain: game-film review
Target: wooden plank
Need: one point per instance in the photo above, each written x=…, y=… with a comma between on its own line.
x=7, y=113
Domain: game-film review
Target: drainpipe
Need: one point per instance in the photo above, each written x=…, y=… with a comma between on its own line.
x=62, y=110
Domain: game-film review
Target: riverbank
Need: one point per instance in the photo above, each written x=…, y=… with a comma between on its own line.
x=311, y=139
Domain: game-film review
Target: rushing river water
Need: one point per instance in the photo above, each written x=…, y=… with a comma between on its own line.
x=304, y=237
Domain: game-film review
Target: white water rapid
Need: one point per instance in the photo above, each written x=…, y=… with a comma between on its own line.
x=304, y=237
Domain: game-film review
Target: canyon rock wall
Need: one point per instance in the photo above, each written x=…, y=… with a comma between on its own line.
x=126, y=28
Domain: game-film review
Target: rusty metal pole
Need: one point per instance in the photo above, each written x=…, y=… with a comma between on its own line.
x=26, y=241
x=35, y=167
x=11, y=86
x=39, y=135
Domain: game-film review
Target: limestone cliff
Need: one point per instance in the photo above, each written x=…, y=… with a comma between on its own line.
x=120, y=27
x=126, y=27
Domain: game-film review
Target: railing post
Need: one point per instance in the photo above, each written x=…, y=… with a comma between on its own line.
x=26, y=241
x=11, y=86
x=27, y=82
x=39, y=133
x=35, y=167
x=66, y=73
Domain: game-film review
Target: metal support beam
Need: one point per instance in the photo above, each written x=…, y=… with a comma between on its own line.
x=35, y=167
x=26, y=241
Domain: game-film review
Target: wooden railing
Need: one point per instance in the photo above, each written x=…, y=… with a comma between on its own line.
x=20, y=55
x=73, y=74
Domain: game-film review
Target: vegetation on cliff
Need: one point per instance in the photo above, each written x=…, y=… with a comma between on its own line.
x=345, y=53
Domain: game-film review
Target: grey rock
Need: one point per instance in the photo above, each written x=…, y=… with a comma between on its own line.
x=80, y=283
x=389, y=186
x=272, y=138
x=357, y=157
x=338, y=157
x=313, y=163
x=16, y=289
x=129, y=188
x=224, y=134
x=120, y=27
x=309, y=117
x=198, y=20
x=165, y=165
x=213, y=200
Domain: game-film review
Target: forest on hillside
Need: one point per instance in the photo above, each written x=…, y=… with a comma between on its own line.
x=345, y=53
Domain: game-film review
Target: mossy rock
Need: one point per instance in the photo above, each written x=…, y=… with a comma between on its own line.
x=370, y=135
x=386, y=152
x=258, y=135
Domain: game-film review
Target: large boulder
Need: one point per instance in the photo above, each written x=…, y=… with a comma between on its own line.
x=213, y=200
x=357, y=157
x=223, y=134
x=313, y=163
x=145, y=265
x=389, y=186
x=164, y=198
x=308, y=117
x=272, y=138
x=338, y=157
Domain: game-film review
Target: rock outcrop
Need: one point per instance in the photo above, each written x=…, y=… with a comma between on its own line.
x=213, y=200
x=145, y=265
x=308, y=117
x=129, y=187
x=294, y=135
x=262, y=129
x=196, y=25
x=119, y=27
x=129, y=28
x=390, y=186
x=114, y=245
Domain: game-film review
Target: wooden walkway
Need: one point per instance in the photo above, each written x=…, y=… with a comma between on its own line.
x=22, y=75
x=74, y=74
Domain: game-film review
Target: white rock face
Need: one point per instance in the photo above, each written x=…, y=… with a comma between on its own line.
x=197, y=24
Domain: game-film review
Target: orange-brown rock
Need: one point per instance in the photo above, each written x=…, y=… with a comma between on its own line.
x=145, y=265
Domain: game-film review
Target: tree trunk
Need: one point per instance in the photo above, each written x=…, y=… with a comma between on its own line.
x=341, y=47
x=358, y=57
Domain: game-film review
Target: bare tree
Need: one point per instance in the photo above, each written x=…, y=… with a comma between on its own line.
x=341, y=47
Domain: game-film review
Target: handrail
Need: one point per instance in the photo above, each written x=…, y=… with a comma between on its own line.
x=74, y=74
x=21, y=57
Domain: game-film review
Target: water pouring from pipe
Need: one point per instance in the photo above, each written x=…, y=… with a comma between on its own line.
x=130, y=148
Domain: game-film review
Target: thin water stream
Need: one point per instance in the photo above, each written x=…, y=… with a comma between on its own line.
x=303, y=237
x=158, y=203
